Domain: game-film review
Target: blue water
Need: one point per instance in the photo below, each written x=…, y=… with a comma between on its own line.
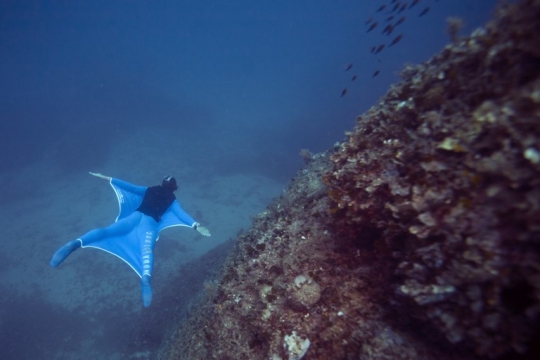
x=223, y=93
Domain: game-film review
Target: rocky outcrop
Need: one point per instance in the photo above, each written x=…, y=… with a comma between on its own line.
x=417, y=237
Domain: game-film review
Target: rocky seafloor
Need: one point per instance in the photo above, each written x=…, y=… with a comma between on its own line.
x=418, y=237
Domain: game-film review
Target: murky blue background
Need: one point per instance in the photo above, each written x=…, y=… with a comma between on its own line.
x=221, y=94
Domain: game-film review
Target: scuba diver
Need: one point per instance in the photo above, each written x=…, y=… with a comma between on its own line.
x=144, y=212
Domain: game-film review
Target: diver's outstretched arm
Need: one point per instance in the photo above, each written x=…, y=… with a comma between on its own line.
x=188, y=220
x=108, y=178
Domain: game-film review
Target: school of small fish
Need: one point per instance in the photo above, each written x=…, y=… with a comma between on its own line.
x=389, y=13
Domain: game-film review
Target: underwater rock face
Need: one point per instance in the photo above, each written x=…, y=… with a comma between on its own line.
x=447, y=167
x=417, y=238
x=304, y=293
x=296, y=346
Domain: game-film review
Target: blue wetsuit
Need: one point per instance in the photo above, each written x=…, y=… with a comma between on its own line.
x=144, y=212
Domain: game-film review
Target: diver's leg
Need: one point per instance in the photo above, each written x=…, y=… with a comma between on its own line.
x=118, y=228
x=148, y=265
x=146, y=290
x=147, y=236
x=62, y=253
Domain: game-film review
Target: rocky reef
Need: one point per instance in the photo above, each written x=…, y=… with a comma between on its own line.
x=417, y=237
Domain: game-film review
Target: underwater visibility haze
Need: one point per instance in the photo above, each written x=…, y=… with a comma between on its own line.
x=316, y=241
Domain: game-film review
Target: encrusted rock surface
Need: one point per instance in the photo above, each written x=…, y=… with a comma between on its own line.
x=417, y=238
x=446, y=169
x=290, y=273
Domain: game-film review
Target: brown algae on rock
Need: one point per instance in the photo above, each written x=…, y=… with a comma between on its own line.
x=416, y=238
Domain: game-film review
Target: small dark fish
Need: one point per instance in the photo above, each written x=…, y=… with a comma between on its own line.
x=373, y=48
x=402, y=8
x=393, y=1
x=373, y=26
x=379, y=49
x=390, y=18
x=369, y=20
x=353, y=78
x=349, y=67
x=414, y=3
x=396, y=40
x=400, y=21
x=381, y=8
x=343, y=92
x=395, y=7
x=388, y=29
x=424, y=12
x=376, y=73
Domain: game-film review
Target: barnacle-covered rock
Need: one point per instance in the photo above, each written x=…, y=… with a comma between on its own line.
x=456, y=199
x=304, y=293
x=416, y=238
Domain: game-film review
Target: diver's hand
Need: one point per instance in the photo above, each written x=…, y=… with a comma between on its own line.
x=108, y=178
x=203, y=231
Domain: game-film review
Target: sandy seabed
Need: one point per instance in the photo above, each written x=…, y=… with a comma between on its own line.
x=69, y=312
